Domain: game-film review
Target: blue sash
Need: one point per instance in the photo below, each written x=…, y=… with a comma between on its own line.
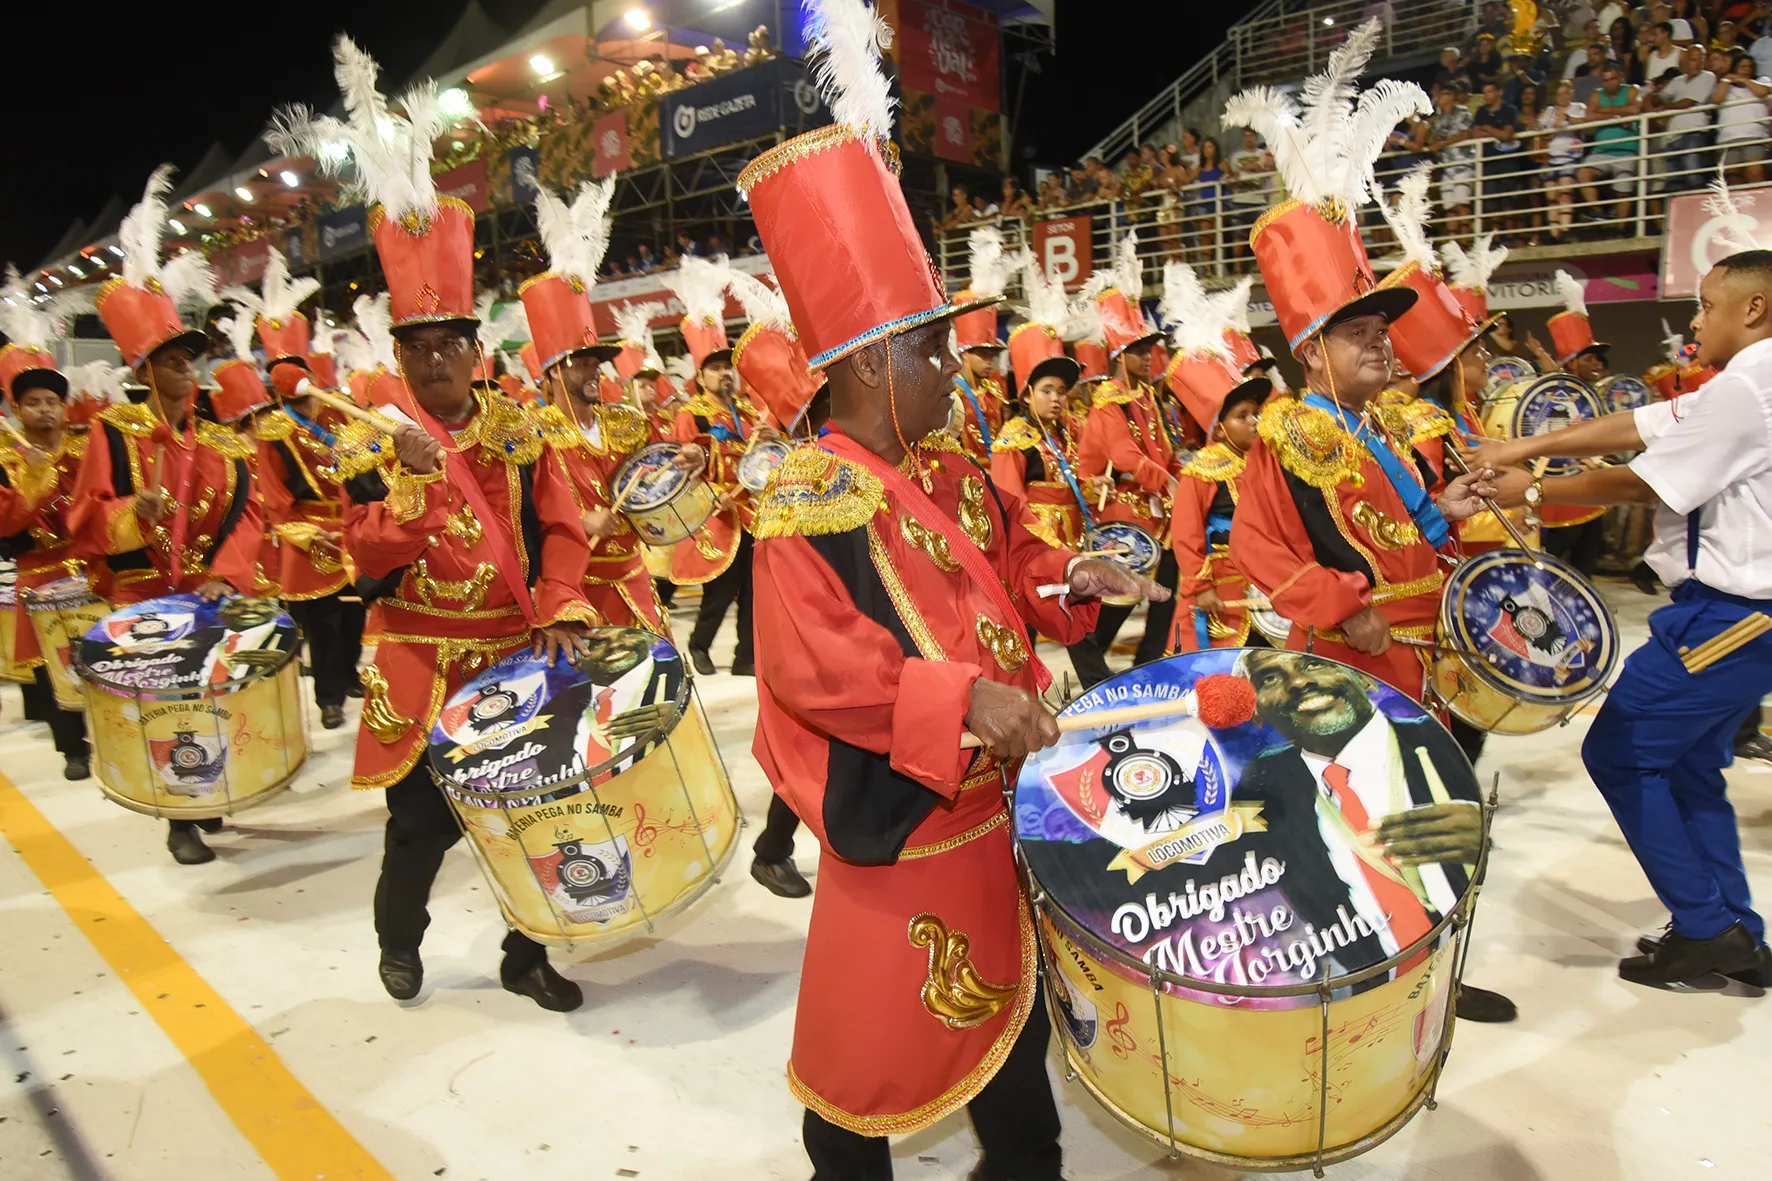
x=1422, y=509
x=1216, y=523
x=313, y=428
x=984, y=427
x=1065, y=470
x=724, y=434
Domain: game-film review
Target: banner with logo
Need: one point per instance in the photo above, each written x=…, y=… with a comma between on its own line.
x=609, y=144
x=1696, y=239
x=341, y=232
x=1062, y=247
x=952, y=139
x=606, y=297
x=467, y=183
x=949, y=53
x=525, y=166
x=738, y=106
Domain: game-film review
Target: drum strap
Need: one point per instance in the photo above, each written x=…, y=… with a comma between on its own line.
x=1422, y=509
x=984, y=428
x=960, y=546
x=1692, y=541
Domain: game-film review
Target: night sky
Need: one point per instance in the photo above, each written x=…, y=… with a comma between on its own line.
x=102, y=96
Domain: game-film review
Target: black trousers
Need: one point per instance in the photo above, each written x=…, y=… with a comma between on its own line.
x=67, y=726
x=717, y=596
x=333, y=627
x=1015, y=1117
x=420, y=830
x=1158, y=618
x=1581, y=546
x=776, y=842
x=666, y=590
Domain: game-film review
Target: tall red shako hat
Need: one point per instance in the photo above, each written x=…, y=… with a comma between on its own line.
x=700, y=285
x=322, y=354
x=32, y=327
x=239, y=390
x=990, y=271
x=1117, y=291
x=425, y=241
x=1036, y=345
x=1430, y=335
x=1571, y=334
x=282, y=330
x=558, y=301
x=1205, y=371
x=1468, y=272
x=769, y=355
x=829, y=208
x=1308, y=246
x=637, y=355
x=140, y=307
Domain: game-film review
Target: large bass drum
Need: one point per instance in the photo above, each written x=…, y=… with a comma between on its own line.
x=60, y=613
x=1528, y=640
x=593, y=795
x=1236, y=969
x=194, y=707
x=9, y=666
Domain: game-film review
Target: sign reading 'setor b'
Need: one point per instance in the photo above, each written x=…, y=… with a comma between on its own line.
x=1063, y=247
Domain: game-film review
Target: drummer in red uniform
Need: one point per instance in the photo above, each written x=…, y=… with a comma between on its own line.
x=892, y=613
x=38, y=469
x=459, y=515
x=982, y=404
x=1334, y=523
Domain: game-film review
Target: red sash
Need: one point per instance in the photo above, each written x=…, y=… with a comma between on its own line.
x=962, y=547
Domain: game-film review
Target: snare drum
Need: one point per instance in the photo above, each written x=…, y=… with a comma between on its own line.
x=1201, y=933
x=60, y=611
x=1542, y=638
x=1497, y=411
x=195, y=707
x=592, y=795
x=1552, y=403
x=756, y=465
x=9, y=666
x=1134, y=548
x=1270, y=623
x=1623, y=392
x=1505, y=369
x=663, y=504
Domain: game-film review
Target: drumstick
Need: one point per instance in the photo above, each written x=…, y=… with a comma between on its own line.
x=1744, y=631
x=1175, y=707
x=1436, y=646
x=1101, y=501
x=1519, y=539
x=350, y=409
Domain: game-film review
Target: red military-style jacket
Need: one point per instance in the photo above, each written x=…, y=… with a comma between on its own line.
x=447, y=611
x=724, y=430
x=207, y=470
x=994, y=405
x=617, y=582
x=302, y=500
x=1023, y=462
x=1321, y=530
x=1205, y=498
x=920, y=963
x=1124, y=439
x=36, y=492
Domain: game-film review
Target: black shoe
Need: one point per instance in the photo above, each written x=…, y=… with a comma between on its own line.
x=1754, y=747
x=210, y=824
x=1644, y=579
x=744, y=668
x=1481, y=1005
x=703, y=663
x=332, y=716
x=780, y=878
x=77, y=769
x=1758, y=976
x=187, y=847
x=402, y=974
x=547, y=988
x=1679, y=960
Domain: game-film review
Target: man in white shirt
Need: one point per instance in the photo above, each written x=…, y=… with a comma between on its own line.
x=1658, y=746
x=1688, y=133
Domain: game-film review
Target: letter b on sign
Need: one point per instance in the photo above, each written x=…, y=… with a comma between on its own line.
x=1063, y=247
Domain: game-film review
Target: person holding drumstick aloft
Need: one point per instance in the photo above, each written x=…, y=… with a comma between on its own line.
x=457, y=512
x=892, y=613
x=1659, y=744
x=1334, y=523
x=193, y=524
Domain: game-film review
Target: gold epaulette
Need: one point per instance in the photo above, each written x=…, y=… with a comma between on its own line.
x=703, y=406
x=1018, y=434
x=1109, y=392
x=359, y=447
x=556, y=429
x=132, y=418
x=509, y=432
x=814, y=493
x=1309, y=443
x=1215, y=464
x=224, y=440
x=624, y=428
x=74, y=443
x=1427, y=420
x=275, y=428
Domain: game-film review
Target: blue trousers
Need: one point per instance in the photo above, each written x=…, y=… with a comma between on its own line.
x=1657, y=751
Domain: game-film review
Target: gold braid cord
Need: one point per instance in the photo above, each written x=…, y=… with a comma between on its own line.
x=814, y=493
x=1310, y=443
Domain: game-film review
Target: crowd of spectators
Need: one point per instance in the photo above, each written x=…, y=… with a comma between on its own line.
x=642, y=259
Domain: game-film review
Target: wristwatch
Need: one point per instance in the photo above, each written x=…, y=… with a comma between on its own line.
x=1534, y=498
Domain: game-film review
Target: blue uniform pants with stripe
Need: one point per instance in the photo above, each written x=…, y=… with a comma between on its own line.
x=1657, y=751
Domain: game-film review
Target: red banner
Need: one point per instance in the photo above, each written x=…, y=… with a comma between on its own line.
x=948, y=54
x=953, y=130
x=1696, y=240
x=610, y=137
x=1062, y=247
x=467, y=183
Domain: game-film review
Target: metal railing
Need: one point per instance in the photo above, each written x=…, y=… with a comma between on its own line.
x=1285, y=40
x=1614, y=192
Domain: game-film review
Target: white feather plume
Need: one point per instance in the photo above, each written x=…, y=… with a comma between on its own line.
x=99, y=379
x=238, y=329
x=143, y=229
x=33, y=323
x=1571, y=292
x=1196, y=321
x=1234, y=300
x=278, y=296
x=375, y=319
x=1722, y=205
x=576, y=236
x=633, y=322
x=1082, y=319
x=1473, y=268
x=392, y=153
x=851, y=36
x=354, y=352
x=1325, y=140
x=1671, y=343
x=681, y=366
x=991, y=266
x=509, y=323
x=1407, y=217
x=1125, y=274
x=323, y=337
x=700, y=285
x=190, y=281
x=1046, y=301
x=762, y=303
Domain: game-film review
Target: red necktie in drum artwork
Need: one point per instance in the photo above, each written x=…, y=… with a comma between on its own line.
x=1408, y=917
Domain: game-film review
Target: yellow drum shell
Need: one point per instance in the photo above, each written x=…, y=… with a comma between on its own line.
x=1485, y=707
x=258, y=727
x=1497, y=415
x=658, y=561
x=9, y=666
x=57, y=623
x=673, y=811
x=670, y=520
x=1243, y=1083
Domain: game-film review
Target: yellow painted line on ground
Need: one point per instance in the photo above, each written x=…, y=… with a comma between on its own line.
x=298, y=1138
